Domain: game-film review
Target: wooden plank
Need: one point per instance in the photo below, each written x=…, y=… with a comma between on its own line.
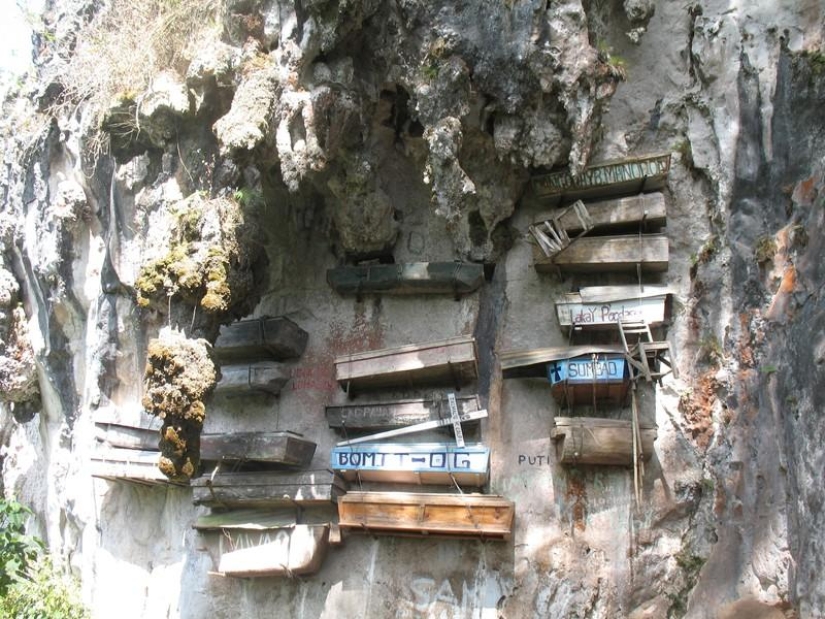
x=617, y=213
x=129, y=465
x=423, y=427
x=447, y=361
x=416, y=463
x=265, y=489
x=610, y=178
x=593, y=379
x=602, y=307
x=396, y=414
x=465, y=515
x=127, y=437
x=261, y=520
x=260, y=339
x=593, y=440
x=286, y=448
x=454, y=278
x=289, y=551
x=245, y=379
x=599, y=254
x=532, y=363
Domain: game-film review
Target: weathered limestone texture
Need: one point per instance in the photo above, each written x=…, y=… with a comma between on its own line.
x=213, y=162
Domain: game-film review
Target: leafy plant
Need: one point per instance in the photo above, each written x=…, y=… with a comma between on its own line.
x=17, y=550
x=44, y=593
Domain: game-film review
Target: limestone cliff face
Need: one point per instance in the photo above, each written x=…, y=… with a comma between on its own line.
x=284, y=138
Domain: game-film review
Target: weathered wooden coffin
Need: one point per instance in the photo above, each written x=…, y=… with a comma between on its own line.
x=451, y=361
x=389, y=415
x=247, y=379
x=593, y=440
x=260, y=339
x=613, y=178
x=601, y=254
x=127, y=437
x=286, y=551
x=127, y=429
x=618, y=213
x=591, y=379
x=264, y=519
x=454, y=278
x=265, y=489
x=533, y=363
x=285, y=448
x=401, y=513
x=601, y=307
x=416, y=463
x=129, y=465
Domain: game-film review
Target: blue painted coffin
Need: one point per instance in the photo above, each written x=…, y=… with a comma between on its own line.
x=587, y=379
x=418, y=463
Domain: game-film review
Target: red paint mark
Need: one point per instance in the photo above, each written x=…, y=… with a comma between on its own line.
x=577, y=493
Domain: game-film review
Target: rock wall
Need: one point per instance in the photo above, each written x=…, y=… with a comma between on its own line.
x=359, y=130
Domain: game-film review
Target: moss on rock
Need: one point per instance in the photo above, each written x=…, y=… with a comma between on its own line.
x=179, y=374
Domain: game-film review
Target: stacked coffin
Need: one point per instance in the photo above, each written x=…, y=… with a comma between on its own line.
x=619, y=234
x=613, y=232
x=127, y=447
x=271, y=515
x=442, y=465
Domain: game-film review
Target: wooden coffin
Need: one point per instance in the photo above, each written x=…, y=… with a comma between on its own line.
x=612, y=178
x=246, y=379
x=127, y=429
x=602, y=254
x=286, y=551
x=589, y=380
x=264, y=519
x=285, y=448
x=533, y=363
x=415, y=463
x=593, y=440
x=260, y=339
x=451, y=361
x=601, y=307
x=389, y=415
x=265, y=489
x=619, y=213
x=129, y=465
x=402, y=513
x=454, y=278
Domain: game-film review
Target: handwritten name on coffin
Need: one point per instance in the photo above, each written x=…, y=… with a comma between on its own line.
x=650, y=310
x=602, y=368
x=414, y=458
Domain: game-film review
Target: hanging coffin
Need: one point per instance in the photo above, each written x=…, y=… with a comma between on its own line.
x=264, y=489
x=288, y=551
x=593, y=440
x=418, y=463
x=619, y=214
x=600, y=254
x=247, y=379
x=423, y=514
x=533, y=363
x=389, y=415
x=284, y=448
x=589, y=380
x=454, y=278
x=613, y=178
x=129, y=465
x=601, y=307
x=451, y=361
x=260, y=339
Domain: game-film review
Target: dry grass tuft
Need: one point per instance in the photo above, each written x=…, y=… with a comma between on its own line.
x=129, y=43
